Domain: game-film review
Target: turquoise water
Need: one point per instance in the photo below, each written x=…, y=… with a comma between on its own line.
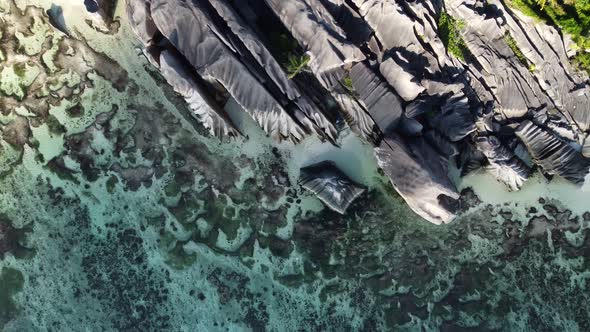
x=119, y=212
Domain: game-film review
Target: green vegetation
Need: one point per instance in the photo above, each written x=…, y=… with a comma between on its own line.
x=282, y=45
x=347, y=83
x=572, y=16
x=514, y=47
x=64, y=174
x=296, y=64
x=450, y=33
x=288, y=52
x=525, y=8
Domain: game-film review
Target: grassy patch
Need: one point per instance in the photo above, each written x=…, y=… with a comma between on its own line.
x=347, y=83
x=582, y=60
x=572, y=16
x=524, y=7
x=514, y=47
x=449, y=30
x=296, y=64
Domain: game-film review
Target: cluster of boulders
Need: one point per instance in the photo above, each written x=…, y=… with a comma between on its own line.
x=511, y=103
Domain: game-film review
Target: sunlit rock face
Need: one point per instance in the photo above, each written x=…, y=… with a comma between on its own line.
x=456, y=74
x=419, y=173
x=331, y=185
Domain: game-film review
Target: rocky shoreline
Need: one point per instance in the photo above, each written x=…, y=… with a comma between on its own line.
x=118, y=210
x=470, y=84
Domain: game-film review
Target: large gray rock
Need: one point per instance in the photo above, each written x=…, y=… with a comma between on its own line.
x=56, y=18
x=189, y=29
x=355, y=115
x=400, y=79
x=382, y=103
x=546, y=78
x=102, y=11
x=382, y=66
x=503, y=163
x=140, y=19
x=420, y=175
x=330, y=185
x=211, y=115
x=312, y=118
x=553, y=155
x=355, y=28
x=316, y=30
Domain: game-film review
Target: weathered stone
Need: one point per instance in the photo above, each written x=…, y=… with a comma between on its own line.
x=331, y=186
x=553, y=155
x=420, y=176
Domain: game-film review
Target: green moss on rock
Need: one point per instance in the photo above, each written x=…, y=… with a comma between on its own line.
x=511, y=42
x=450, y=33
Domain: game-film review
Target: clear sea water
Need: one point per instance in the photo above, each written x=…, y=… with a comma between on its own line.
x=130, y=217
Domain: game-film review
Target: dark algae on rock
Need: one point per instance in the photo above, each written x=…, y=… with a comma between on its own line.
x=11, y=282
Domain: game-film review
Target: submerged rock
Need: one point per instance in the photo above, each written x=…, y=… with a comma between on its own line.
x=331, y=185
x=56, y=18
x=12, y=240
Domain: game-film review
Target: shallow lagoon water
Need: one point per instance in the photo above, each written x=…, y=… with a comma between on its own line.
x=129, y=217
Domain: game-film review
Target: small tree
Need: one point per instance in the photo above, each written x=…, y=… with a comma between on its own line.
x=296, y=64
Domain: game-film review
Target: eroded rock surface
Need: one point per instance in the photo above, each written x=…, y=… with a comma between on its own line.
x=139, y=219
x=331, y=185
x=465, y=73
